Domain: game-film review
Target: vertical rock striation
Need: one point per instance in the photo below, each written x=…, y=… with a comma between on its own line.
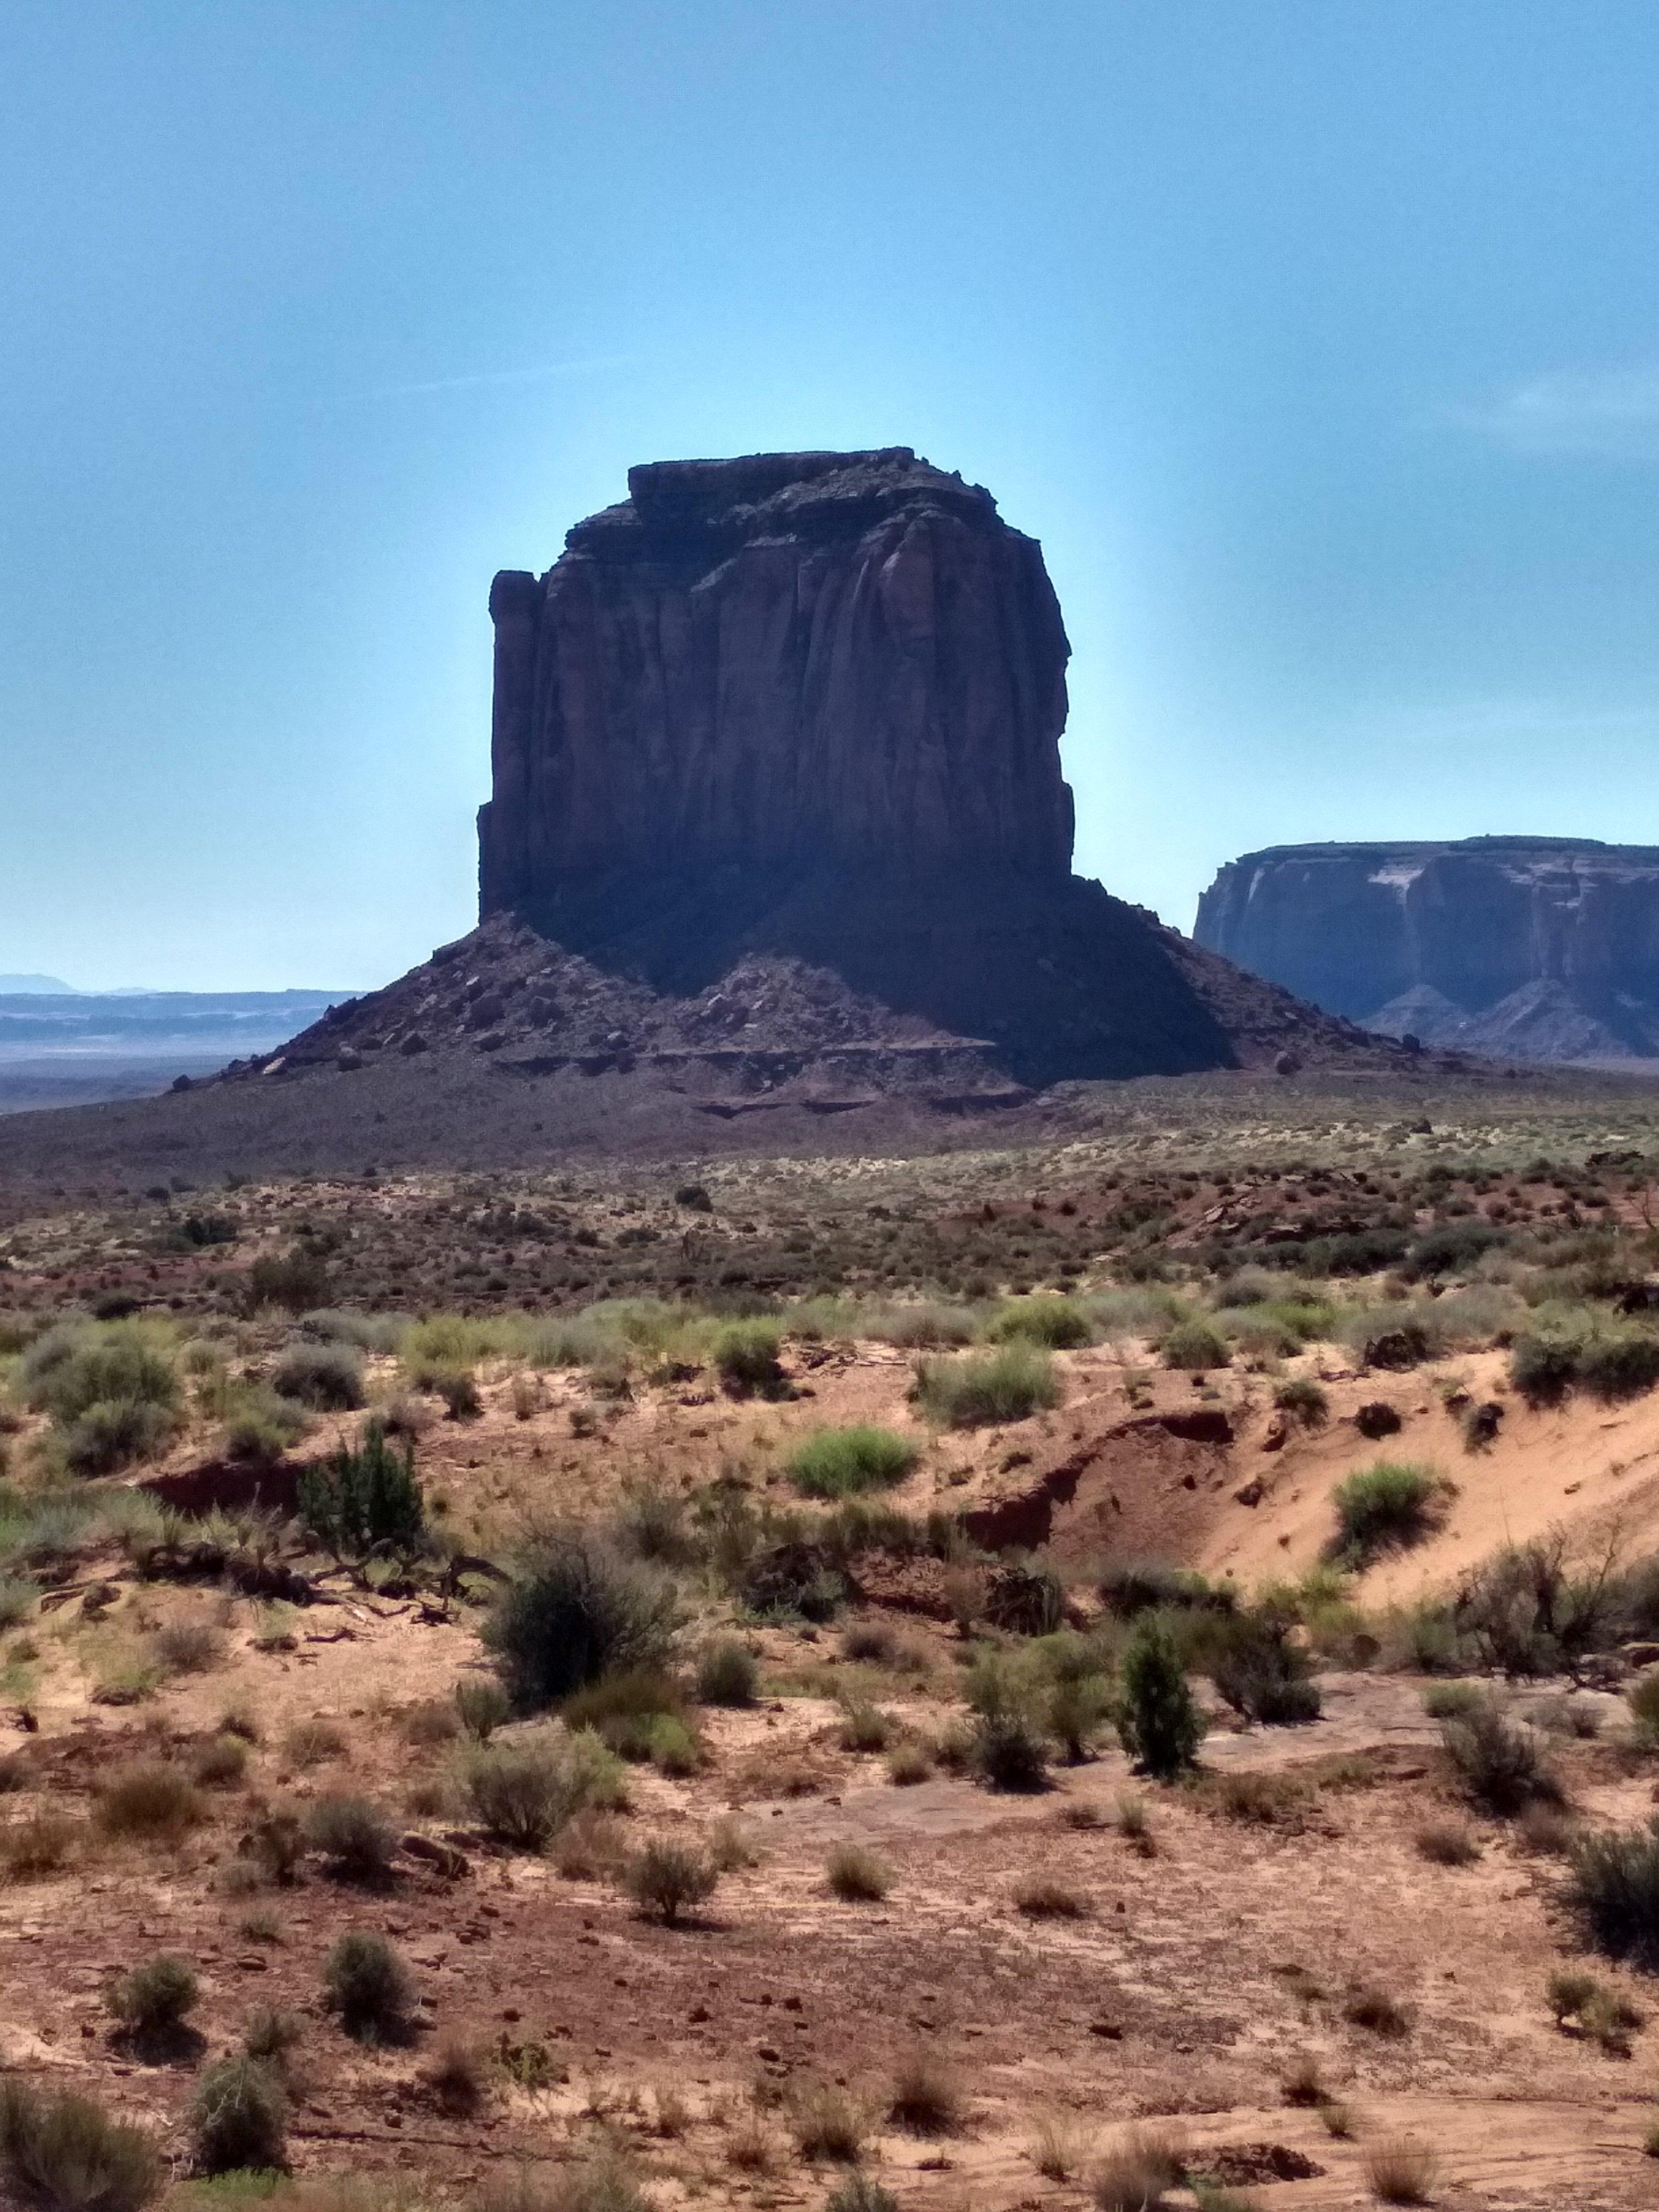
x=792, y=661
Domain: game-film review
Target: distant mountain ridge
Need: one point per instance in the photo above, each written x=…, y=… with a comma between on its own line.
x=1537, y=948
x=14, y=986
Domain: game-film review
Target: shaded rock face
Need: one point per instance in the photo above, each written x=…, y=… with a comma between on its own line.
x=794, y=659
x=1543, y=948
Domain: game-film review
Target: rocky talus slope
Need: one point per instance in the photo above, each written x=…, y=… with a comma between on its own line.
x=1541, y=948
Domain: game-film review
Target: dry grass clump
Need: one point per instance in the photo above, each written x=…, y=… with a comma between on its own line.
x=220, y=1763
x=1447, y=1843
x=827, y=2123
x=925, y=2099
x=909, y=1763
x=1135, y=2176
x=1061, y=2146
x=753, y=2147
x=39, y=1844
x=458, y=2076
x=865, y=1727
x=590, y=1848
x=312, y=1743
x=1042, y=1899
x=857, y=1876
x=1603, y=2015
x=1302, y=2082
x=149, y=1801
x=189, y=1647
x=67, y=2154
x=1402, y=2171
x=1499, y=1762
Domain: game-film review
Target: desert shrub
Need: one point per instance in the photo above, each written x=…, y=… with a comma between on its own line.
x=574, y=1611
x=238, y=2117
x=313, y=1742
x=746, y=1357
x=650, y=1525
x=1195, y=1346
x=846, y=1462
x=623, y=1709
x=1378, y=2009
x=665, y=1877
x=1543, y=1367
x=270, y=2034
x=927, y=1327
x=1302, y=2083
x=66, y=2153
x=728, y=1673
x=276, y=1845
x=111, y=1389
x=985, y=1388
x=353, y=1835
x=219, y=1763
x=296, y=1280
x=908, y=1763
x=865, y=1727
x=482, y=1706
x=1260, y=1672
x=1447, y=1843
x=1060, y=1324
x=1382, y=1507
x=826, y=2124
x=1077, y=1708
x=155, y=1999
x=189, y=1647
x=672, y=1748
x=523, y=1790
x=1129, y=1587
x=1642, y=1698
x=260, y=1425
x=1497, y=1760
x=1040, y=1898
x=861, y=2193
x=925, y=2099
x=148, y=1800
x=1135, y=2176
x=39, y=1844
x=857, y=1876
x=1402, y=2171
x=1445, y=1701
x=367, y=1984
x=1304, y=1399
x=1529, y=1610
x=1160, y=1725
x=328, y=1377
x=355, y=1500
x=1615, y=1363
x=1614, y=1883
x=432, y=1721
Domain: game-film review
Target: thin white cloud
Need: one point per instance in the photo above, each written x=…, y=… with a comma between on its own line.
x=1594, y=414
x=499, y=376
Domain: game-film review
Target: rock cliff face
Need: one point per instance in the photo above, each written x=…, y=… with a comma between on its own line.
x=1544, y=948
x=808, y=706
x=789, y=660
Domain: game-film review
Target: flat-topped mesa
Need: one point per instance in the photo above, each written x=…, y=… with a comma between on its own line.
x=833, y=662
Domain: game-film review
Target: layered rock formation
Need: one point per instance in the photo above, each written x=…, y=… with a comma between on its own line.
x=809, y=705
x=1539, y=947
x=788, y=661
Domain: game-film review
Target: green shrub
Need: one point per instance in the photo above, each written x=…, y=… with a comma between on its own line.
x=1060, y=1324
x=1499, y=1763
x=482, y=1706
x=1006, y=1750
x=987, y=1388
x=1160, y=1725
x=1078, y=1709
x=574, y=1611
x=355, y=1500
x=665, y=1877
x=238, y=2117
x=18, y=1598
x=155, y=1999
x=844, y=1462
x=367, y=1984
x=728, y=1673
x=1642, y=1698
x=260, y=1425
x=1618, y=1363
x=524, y=1791
x=1133, y=1586
x=1543, y=1368
x=746, y=1357
x=1304, y=1399
x=66, y=2154
x=1260, y=1673
x=1383, y=1507
x=329, y=1377
x=296, y=1280
x=1447, y=1701
x=353, y=1836
x=1613, y=1882
x=115, y=1433
x=857, y=1876
x=1195, y=1346
x=860, y=2192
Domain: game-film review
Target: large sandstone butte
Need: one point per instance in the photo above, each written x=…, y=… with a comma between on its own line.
x=1540, y=947
x=809, y=705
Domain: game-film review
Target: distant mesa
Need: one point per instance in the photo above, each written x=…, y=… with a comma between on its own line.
x=30, y=986
x=1537, y=948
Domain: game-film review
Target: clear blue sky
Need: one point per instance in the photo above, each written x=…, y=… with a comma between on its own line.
x=1318, y=342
